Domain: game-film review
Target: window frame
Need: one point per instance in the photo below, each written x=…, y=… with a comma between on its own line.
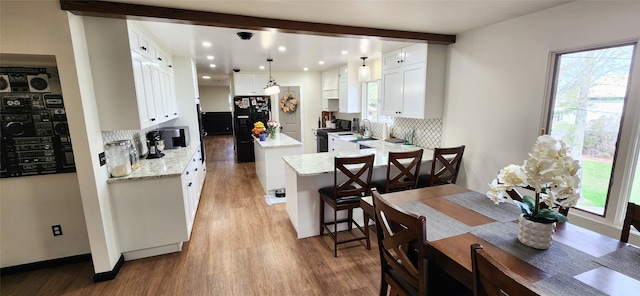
x=365, y=103
x=628, y=142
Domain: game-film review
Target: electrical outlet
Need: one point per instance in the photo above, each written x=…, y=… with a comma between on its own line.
x=57, y=230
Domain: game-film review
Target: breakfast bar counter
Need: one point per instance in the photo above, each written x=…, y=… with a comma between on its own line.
x=305, y=174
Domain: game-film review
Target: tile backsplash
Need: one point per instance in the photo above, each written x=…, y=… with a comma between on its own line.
x=428, y=132
x=138, y=137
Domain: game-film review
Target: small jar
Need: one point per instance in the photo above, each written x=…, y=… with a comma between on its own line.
x=119, y=158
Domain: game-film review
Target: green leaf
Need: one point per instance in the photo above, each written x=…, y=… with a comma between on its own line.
x=529, y=201
x=524, y=207
x=548, y=216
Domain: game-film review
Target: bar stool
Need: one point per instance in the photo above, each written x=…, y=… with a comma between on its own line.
x=346, y=196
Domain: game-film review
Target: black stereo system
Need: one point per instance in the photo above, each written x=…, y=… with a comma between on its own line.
x=33, y=123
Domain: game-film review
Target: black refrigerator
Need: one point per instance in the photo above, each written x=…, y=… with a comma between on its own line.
x=247, y=111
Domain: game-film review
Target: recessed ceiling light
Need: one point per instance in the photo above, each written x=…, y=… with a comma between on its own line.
x=345, y=52
x=321, y=62
x=212, y=65
x=261, y=67
x=282, y=48
x=209, y=57
x=306, y=69
x=206, y=44
x=206, y=77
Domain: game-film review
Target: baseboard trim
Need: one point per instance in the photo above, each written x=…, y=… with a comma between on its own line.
x=44, y=264
x=109, y=275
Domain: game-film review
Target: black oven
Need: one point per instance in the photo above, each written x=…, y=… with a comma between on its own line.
x=322, y=135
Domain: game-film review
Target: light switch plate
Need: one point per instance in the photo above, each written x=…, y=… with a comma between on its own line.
x=102, y=158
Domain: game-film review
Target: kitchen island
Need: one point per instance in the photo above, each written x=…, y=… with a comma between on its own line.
x=306, y=173
x=155, y=206
x=269, y=163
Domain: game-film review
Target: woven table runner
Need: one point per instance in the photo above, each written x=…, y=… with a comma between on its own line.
x=625, y=260
x=439, y=225
x=562, y=285
x=558, y=259
x=479, y=203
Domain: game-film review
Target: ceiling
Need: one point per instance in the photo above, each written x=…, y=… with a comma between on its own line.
x=305, y=51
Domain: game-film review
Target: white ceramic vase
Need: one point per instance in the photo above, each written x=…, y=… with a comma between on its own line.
x=534, y=234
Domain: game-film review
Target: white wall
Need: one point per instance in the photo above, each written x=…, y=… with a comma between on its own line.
x=40, y=27
x=215, y=98
x=310, y=103
x=497, y=79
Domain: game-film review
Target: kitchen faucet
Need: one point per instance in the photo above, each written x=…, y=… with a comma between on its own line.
x=366, y=128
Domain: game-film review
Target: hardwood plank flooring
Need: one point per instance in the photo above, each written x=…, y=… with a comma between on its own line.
x=239, y=246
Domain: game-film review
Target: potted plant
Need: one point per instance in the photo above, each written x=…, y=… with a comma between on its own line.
x=554, y=176
x=272, y=125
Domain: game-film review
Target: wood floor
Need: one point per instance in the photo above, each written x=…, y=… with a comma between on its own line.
x=239, y=246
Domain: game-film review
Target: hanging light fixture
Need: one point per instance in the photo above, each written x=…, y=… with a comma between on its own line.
x=272, y=87
x=365, y=72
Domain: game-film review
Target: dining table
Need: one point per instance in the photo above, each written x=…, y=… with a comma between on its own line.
x=579, y=261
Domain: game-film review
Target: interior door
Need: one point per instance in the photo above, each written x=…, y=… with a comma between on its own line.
x=290, y=121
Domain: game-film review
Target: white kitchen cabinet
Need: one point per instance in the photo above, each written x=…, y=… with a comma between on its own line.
x=330, y=104
x=249, y=84
x=412, y=54
x=415, y=88
x=155, y=216
x=129, y=88
x=330, y=84
x=350, y=89
x=338, y=144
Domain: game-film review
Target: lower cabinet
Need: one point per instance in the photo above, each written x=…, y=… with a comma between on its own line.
x=155, y=216
x=337, y=144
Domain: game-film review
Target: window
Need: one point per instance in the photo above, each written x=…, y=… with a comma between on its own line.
x=588, y=100
x=371, y=101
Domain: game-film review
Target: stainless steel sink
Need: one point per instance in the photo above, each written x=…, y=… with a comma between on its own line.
x=363, y=139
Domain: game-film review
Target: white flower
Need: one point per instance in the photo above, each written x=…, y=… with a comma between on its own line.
x=553, y=175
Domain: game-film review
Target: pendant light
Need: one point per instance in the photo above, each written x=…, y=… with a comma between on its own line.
x=364, y=72
x=272, y=87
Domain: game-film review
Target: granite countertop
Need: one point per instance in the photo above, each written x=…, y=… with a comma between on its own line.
x=173, y=163
x=281, y=140
x=320, y=163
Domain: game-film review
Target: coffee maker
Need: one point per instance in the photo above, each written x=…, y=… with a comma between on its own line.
x=155, y=144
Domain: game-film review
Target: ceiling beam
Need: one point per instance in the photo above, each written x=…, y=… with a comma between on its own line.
x=214, y=19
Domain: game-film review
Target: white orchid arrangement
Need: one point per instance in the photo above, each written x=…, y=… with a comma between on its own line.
x=553, y=175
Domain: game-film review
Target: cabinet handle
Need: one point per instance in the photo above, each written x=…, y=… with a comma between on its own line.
x=196, y=169
x=143, y=48
x=153, y=119
x=175, y=113
x=170, y=66
x=187, y=172
x=159, y=59
x=166, y=116
x=190, y=184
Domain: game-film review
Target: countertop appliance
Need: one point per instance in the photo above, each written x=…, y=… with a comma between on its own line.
x=322, y=134
x=34, y=134
x=247, y=111
x=156, y=145
x=175, y=137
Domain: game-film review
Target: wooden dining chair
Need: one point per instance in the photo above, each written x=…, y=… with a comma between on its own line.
x=402, y=237
x=405, y=167
x=346, y=196
x=444, y=167
x=632, y=218
x=492, y=278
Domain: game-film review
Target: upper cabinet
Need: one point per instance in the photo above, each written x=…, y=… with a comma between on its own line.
x=249, y=84
x=132, y=89
x=330, y=91
x=413, y=81
x=349, y=88
x=330, y=83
